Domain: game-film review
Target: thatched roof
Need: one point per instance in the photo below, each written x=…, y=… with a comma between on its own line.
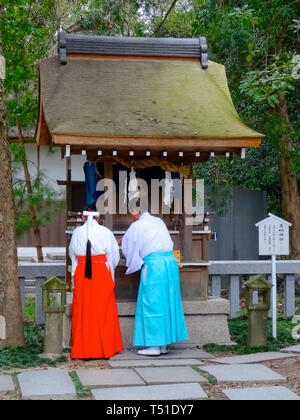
x=144, y=97
x=28, y=134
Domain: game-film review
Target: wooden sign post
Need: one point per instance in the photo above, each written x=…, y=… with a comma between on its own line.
x=274, y=240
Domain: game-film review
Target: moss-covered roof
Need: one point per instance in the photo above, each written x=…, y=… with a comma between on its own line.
x=139, y=97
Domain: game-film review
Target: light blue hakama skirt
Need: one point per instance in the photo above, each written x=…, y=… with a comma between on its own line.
x=159, y=319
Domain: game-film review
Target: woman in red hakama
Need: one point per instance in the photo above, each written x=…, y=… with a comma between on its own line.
x=95, y=324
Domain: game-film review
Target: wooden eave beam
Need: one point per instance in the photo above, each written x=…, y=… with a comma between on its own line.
x=157, y=143
x=42, y=134
x=131, y=57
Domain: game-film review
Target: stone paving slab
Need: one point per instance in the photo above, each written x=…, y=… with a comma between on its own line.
x=272, y=393
x=169, y=375
x=293, y=349
x=190, y=391
x=153, y=363
x=252, y=358
x=173, y=354
x=46, y=384
x=6, y=383
x=243, y=373
x=96, y=378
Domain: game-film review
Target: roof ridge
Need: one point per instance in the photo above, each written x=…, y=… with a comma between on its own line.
x=118, y=45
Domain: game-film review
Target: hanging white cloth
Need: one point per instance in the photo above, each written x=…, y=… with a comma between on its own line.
x=168, y=190
x=125, y=190
x=133, y=189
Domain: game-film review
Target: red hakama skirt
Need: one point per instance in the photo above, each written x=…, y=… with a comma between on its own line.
x=96, y=330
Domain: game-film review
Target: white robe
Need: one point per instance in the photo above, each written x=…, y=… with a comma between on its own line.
x=147, y=235
x=103, y=243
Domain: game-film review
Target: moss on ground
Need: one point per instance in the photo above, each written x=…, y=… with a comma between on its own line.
x=239, y=334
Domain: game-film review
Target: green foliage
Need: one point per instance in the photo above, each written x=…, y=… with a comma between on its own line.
x=118, y=17
x=27, y=357
x=218, y=179
x=259, y=171
x=30, y=309
x=45, y=200
x=24, y=357
x=34, y=335
x=265, y=86
x=211, y=379
x=26, y=33
x=135, y=17
x=257, y=49
x=81, y=391
x=239, y=334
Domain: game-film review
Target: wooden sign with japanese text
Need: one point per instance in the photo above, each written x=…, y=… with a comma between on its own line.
x=274, y=236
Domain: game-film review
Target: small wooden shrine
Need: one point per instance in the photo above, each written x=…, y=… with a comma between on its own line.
x=148, y=103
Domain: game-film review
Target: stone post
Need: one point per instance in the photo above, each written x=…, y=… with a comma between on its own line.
x=289, y=296
x=234, y=296
x=216, y=286
x=22, y=293
x=39, y=314
x=258, y=311
x=54, y=307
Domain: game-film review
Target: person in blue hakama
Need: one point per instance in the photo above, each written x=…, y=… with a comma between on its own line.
x=159, y=319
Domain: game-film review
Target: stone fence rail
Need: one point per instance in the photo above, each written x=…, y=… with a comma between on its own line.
x=239, y=270
x=39, y=272
x=235, y=270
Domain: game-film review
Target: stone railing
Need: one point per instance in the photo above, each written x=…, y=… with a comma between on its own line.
x=235, y=270
x=38, y=273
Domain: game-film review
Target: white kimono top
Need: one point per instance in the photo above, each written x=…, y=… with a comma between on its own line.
x=103, y=243
x=146, y=235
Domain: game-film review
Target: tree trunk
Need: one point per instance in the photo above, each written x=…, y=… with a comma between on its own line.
x=289, y=186
x=11, y=318
x=36, y=229
x=157, y=30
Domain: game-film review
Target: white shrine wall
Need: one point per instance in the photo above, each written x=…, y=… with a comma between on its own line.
x=52, y=165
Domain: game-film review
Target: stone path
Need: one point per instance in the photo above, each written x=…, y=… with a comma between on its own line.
x=159, y=392
x=172, y=377
x=154, y=363
x=6, y=383
x=243, y=373
x=46, y=384
x=252, y=358
x=272, y=393
x=94, y=378
x=169, y=375
x=293, y=349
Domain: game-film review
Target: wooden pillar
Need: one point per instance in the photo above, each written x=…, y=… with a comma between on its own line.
x=69, y=208
x=108, y=174
x=187, y=236
x=69, y=187
x=205, y=247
